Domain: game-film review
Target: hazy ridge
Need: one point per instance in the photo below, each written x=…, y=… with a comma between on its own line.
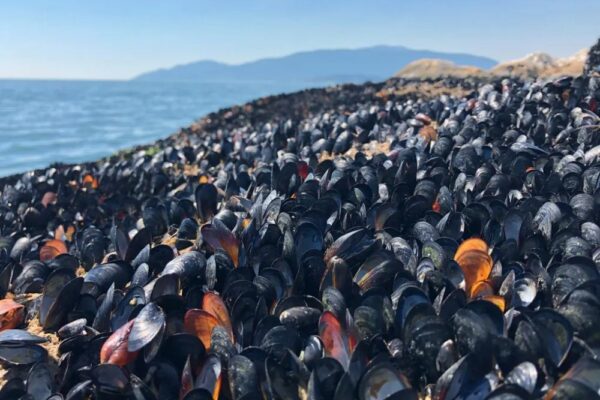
x=356, y=65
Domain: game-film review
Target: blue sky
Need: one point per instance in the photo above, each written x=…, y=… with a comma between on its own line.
x=117, y=39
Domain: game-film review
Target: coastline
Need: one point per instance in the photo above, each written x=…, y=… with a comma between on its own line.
x=391, y=88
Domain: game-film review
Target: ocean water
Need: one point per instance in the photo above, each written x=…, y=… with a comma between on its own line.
x=42, y=122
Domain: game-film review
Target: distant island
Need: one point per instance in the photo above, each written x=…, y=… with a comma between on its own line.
x=343, y=65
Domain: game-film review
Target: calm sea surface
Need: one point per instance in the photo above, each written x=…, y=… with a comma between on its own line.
x=73, y=121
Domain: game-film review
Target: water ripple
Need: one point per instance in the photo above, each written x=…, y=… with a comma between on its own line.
x=72, y=121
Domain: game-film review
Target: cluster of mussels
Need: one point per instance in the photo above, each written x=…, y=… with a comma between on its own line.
x=355, y=242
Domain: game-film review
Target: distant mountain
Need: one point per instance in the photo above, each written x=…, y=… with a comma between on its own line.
x=357, y=65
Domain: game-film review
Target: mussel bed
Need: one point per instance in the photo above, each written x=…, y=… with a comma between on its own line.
x=397, y=240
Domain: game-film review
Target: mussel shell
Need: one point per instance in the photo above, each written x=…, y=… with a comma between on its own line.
x=23, y=355
x=99, y=278
x=524, y=375
x=279, y=338
x=132, y=302
x=64, y=302
x=579, y=382
x=179, y=346
x=209, y=377
x=382, y=381
x=19, y=336
x=324, y=379
x=110, y=379
x=114, y=348
x=39, y=382
x=187, y=266
x=53, y=287
x=242, y=377
x=72, y=328
x=102, y=318
x=568, y=276
x=141, y=276
x=141, y=239
x=301, y=318
x=14, y=388
x=32, y=278
x=147, y=325
x=206, y=200
x=308, y=237
x=368, y=321
x=81, y=390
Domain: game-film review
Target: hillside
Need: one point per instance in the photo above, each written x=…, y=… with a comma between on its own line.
x=530, y=66
x=432, y=68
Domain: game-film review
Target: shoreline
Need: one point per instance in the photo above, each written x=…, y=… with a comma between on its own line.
x=408, y=87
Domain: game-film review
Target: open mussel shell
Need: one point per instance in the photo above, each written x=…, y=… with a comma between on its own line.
x=308, y=237
x=284, y=373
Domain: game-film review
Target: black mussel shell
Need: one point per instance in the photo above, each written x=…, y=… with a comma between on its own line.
x=148, y=324
x=23, y=355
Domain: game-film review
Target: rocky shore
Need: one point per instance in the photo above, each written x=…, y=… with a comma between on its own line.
x=414, y=238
